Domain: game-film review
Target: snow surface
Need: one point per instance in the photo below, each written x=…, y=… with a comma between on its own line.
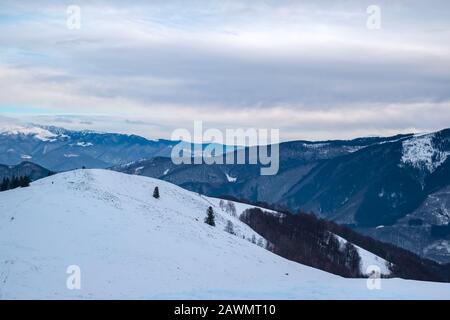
x=37, y=132
x=84, y=144
x=315, y=145
x=325, y=146
x=420, y=153
x=138, y=169
x=131, y=245
x=230, y=178
x=71, y=155
x=368, y=259
x=441, y=245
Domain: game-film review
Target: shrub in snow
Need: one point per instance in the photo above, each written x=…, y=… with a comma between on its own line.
x=261, y=242
x=229, y=227
x=231, y=208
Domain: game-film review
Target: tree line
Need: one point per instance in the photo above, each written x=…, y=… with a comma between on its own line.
x=305, y=238
x=14, y=182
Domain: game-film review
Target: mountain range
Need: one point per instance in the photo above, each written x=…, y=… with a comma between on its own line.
x=394, y=189
x=58, y=149
x=124, y=243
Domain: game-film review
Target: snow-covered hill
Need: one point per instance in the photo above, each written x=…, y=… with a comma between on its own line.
x=128, y=244
x=368, y=259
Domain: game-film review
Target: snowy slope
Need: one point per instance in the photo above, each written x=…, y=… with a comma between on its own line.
x=130, y=245
x=420, y=153
x=368, y=259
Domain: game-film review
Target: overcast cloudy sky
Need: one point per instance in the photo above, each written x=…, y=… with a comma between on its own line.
x=311, y=68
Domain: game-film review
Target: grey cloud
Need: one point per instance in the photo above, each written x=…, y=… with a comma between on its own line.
x=200, y=77
x=233, y=55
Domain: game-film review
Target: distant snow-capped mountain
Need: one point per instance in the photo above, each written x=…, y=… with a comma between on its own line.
x=59, y=149
x=127, y=244
x=36, y=132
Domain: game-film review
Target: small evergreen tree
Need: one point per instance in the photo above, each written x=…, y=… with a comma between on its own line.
x=156, y=193
x=24, y=181
x=210, y=217
x=14, y=183
x=4, y=185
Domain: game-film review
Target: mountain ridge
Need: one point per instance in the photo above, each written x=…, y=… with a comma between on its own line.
x=109, y=225
x=366, y=183
x=372, y=187
x=24, y=169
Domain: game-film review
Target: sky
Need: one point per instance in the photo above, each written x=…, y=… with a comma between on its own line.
x=312, y=69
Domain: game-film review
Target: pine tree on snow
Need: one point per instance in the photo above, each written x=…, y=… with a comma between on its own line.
x=156, y=193
x=210, y=219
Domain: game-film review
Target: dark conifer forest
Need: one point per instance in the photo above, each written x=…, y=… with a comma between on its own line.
x=309, y=240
